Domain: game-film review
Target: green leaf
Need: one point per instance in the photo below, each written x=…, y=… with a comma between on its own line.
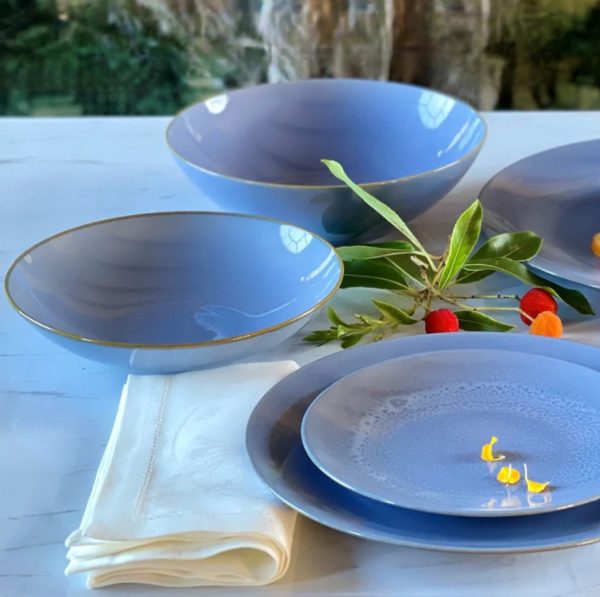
x=474, y=321
x=574, y=298
x=411, y=269
x=368, y=320
x=393, y=313
x=462, y=241
x=381, y=208
x=321, y=337
x=359, y=252
x=336, y=319
x=518, y=246
x=350, y=340
x=373, y=274
x=399, y=254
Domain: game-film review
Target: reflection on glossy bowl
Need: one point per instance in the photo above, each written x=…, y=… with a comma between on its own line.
x=258, y=150
x=172, y=291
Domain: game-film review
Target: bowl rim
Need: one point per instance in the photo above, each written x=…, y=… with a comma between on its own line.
x=156, y=346
x=379, y=183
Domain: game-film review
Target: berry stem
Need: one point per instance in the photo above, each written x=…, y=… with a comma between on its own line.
x=514, y=297
x=471, y=308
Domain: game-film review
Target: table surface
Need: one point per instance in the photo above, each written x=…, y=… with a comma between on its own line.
x=56, y=409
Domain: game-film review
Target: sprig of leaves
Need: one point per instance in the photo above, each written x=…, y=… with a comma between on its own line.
x=407, y=269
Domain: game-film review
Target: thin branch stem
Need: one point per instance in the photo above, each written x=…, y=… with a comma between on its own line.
x=486, y=296
x=471, y=308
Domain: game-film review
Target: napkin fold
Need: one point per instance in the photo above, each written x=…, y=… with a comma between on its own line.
x=176, y=501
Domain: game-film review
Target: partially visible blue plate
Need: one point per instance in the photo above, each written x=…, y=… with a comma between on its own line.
x=275, y=448
x=409, y=432
x=556, y=194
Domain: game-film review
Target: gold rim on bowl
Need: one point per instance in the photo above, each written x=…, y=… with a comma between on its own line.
x=205, y=343
x=367, y=185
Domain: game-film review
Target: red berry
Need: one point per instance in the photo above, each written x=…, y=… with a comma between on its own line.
x=442, y=320
x=536, y=301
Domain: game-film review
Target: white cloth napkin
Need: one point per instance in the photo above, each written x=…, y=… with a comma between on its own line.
x=176, y=501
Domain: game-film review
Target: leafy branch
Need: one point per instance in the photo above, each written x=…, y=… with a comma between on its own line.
x=407, y=269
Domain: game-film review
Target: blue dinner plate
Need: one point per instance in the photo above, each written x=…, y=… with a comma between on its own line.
x=275, y=448
x=409, y=432
x=555, y=193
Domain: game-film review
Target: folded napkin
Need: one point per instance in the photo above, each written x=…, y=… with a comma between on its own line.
x=176, y=501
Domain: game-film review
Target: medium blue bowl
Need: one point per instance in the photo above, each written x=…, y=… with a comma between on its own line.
x=166, y=292
x=258, y=150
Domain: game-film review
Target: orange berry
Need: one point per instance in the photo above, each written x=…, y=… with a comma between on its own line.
x=547, y=324
x=596, y=244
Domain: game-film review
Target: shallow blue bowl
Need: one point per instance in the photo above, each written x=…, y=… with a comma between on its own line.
x=259, y=150
x=166, y=292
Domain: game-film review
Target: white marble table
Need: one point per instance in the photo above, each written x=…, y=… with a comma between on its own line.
x=56, y=410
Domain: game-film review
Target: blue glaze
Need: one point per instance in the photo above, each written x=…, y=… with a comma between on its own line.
x=555, y=193
x=258, y=150
x=275, y=448
x=409, y=432
x=174, y=291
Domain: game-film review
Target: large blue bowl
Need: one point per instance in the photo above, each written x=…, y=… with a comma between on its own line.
x=166, y=292
x=258, y=150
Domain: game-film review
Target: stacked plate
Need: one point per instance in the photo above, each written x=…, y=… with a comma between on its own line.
x=384, y=442
x=555, y=193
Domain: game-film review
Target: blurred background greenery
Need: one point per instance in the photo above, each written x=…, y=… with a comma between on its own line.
x=71, y=57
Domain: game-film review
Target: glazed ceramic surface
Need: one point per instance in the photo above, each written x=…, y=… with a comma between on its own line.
x=555, y=193
x=409, y=432
x=174, y=291
x=275, y=447
x=259, y=150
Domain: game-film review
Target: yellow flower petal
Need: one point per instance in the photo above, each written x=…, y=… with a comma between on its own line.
x=534, y=486
x=487, y=451
x=508, y=475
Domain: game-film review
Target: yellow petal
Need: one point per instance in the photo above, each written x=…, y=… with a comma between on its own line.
x=534, y=486
x=508, y=475
x=487, y=451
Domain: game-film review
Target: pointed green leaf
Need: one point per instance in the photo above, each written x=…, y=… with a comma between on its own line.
x=350, y=340
x=373, y=252
x=393, y=313
x=336, y=319
x=381, y=208
x=462, y=241
x=368, y=320
x=320, y=337
x=518, y=246
x=474, y=321
x=373, y=274
x=574, y=298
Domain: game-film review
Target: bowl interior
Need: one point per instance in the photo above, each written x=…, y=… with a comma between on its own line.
x=173, y=278
x=279, y=133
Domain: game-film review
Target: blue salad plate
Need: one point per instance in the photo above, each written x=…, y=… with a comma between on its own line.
x=171, y=291
x=258, y=150
x=275, y=447
x=410, y=432
x=555, y=193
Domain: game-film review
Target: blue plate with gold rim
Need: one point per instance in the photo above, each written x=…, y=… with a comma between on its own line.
x=409, y=432
x=275, y=448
